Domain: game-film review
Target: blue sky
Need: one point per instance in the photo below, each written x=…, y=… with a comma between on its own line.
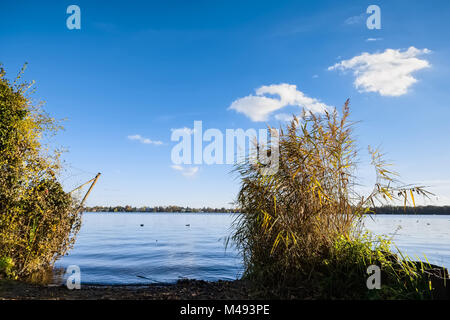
x=144, y=68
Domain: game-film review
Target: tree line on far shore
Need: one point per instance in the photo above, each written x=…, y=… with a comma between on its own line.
x=158, y=209
x=425, y=210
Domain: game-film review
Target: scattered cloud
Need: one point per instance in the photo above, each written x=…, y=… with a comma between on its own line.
x=355, y=19
x=283, y=117
x=315, y=76
x=143, y=140
x=184, y=129
x=259, y=107
x=389, y=73
x=373, y=39
x=185, y=171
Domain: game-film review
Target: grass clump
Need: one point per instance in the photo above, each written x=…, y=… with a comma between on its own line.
x=343, y=274
x=300, y=228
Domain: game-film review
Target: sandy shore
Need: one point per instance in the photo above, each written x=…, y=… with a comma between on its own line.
x=182, y=290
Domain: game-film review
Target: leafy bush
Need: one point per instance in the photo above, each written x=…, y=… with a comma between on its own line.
x=303, y=223
x=6, y=266
x=38, y=220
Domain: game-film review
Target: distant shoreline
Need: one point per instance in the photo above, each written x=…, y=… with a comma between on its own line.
x=419, y=210
x=166, y=209
x=384, y=210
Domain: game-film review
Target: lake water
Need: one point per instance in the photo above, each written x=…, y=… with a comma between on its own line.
x=418, y=236
x=113, y=248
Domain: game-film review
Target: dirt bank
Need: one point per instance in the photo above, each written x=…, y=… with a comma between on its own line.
x=183, y=289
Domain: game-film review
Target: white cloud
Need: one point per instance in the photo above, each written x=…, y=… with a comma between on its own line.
x=373, y=39
x=388, y=73
x=355, y=19
x=284, y=117
x=258, y=107
x=185, y=129
x=187, y=172
x=143, y=140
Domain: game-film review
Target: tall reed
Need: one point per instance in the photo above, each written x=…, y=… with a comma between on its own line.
x=291, y=221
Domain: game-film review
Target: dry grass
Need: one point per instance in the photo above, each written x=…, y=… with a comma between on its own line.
x=291, y=221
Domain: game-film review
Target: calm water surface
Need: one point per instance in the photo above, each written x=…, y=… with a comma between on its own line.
x=419, y=236
x=113, y=248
